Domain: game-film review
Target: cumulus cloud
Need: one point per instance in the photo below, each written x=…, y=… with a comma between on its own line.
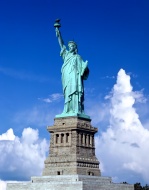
x=9, y=135
x=123, y=147
x=21, y=157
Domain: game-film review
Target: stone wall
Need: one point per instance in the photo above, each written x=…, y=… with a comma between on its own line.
x=70, y=182
x=72, y=148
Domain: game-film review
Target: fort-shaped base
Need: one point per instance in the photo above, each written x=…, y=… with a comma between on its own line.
x=69, y=182
x=72, y=148
x=71, y=163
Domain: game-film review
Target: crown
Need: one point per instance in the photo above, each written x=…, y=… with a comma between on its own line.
x=72, y=42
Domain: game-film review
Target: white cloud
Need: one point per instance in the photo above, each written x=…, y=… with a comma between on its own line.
x=3, y=185
x=139, y=97
x=22, y=157
x=123, y=148
x=52, y=98
x=9, y=135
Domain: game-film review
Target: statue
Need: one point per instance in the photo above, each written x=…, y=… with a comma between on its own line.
x=74, y=70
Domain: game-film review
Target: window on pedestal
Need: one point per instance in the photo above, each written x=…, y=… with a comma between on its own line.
x=89, y=140
x=91, y=173
x=85, y=136
x=67, y=137
x=62, y=138
x=93, y=140
x=81, y=138
x=57, y=138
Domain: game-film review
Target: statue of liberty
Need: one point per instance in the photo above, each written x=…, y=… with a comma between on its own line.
x=74, y=70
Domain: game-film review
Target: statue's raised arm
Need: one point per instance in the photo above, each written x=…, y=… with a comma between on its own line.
x=57, y=25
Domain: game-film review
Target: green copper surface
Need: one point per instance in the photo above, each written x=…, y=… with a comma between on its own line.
x=74, y=70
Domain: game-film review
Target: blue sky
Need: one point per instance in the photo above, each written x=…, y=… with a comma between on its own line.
x=110, y=34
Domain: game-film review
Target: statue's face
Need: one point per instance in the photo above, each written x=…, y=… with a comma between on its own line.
x=72, y=47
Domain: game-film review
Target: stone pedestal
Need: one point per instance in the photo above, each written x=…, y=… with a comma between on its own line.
x=72, y=148
x=71, y=163
x=69, y=182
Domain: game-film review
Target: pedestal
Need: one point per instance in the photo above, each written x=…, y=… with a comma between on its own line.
x=69, y=182
x=72, y=148
x=71, y=163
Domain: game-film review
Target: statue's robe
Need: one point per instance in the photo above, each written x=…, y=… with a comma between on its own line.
x=74, y=70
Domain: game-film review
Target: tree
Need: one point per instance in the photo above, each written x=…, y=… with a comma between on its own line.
x=137, y=186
